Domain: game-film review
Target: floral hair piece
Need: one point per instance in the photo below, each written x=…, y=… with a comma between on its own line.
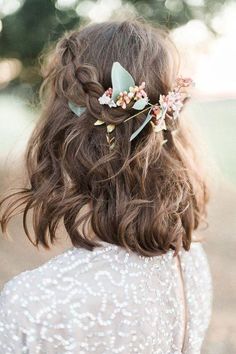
x=136, y=93
x=124, y=92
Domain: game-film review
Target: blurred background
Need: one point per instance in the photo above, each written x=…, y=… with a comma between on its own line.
x=204, y=32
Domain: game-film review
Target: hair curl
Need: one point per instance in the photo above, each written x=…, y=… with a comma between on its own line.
x=143, y=195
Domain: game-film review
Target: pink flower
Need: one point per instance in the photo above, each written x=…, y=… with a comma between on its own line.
x=158, y=118
x=138, y=91
x=106, y=98
x=124, y=98
x=184, y=82
x=171, y=102
x=135, y=93
x=156, y=112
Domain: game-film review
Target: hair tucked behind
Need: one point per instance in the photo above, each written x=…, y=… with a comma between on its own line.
x=145, y=195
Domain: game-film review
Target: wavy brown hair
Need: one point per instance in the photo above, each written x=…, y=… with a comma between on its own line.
x=146, y=195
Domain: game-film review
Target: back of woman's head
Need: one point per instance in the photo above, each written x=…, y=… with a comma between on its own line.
x=145, y=194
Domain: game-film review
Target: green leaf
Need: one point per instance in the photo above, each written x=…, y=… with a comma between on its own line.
x=121, y=79
x=148, y=118
x=76, y=109
x=140, y=104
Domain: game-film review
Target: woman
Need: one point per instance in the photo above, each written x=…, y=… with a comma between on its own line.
x=113, y=160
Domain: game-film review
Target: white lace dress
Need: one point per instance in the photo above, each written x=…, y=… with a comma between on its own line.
x=108, y=301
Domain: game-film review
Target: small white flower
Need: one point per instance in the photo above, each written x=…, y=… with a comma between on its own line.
x=177, y=106
x=105, y=99
x=111, y=103
x=172, y=102
x=161, y=126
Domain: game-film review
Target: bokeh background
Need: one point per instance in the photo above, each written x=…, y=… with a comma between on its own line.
x=204, y=32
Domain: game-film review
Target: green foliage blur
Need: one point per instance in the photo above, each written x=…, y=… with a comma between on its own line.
x=36, y=23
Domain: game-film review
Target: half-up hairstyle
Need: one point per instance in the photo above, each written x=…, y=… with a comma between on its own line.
x=147, y=195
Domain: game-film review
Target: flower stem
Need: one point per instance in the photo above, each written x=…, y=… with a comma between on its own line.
x=144, y=110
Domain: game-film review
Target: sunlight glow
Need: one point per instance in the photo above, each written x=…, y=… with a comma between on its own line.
x=9, y=70
x=65, y=4
x=195, y=2
x=210, y=59
x=99, y=11
x=8, y=7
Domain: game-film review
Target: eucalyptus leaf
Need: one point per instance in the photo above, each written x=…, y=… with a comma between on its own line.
x=78, y=110
x=140, y=104
x=148, y=118
x=121, y=79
